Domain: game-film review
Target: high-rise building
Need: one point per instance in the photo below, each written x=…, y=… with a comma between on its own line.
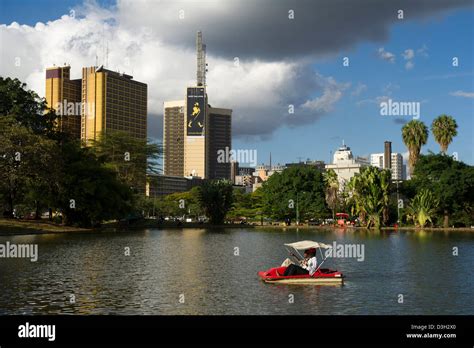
x=396, y=164
x=112, y=101
x=173, y=138
x=218, y=138
x=63, y=95
x=102, y=100
x=196, y=134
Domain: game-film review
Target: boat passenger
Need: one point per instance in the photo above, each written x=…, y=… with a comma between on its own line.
x=307, y=266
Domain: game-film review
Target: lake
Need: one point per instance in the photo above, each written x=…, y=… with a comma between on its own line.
x=214, y=271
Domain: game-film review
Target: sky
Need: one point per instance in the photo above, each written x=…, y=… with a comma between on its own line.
x=331, y=62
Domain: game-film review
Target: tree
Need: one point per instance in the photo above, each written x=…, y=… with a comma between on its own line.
x=422, y=208
x=26, y=107
x=40, y=166
x=415, y=135
x=299, y=187
x=27, y=164
x=444, y=129
x=88, y=192
x=130, y=157
x=216, y=197
x=451, y=181
x=331, y=189
x=371, y=191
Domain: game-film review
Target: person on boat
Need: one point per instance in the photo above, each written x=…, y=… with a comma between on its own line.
x=307, y=266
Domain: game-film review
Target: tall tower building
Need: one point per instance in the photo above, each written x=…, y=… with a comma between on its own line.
x=173, y=138
x=204, y=132
x=63, y=95
x=219, y=138
x=112, y=101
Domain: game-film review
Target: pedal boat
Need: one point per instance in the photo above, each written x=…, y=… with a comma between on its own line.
x=322, y=276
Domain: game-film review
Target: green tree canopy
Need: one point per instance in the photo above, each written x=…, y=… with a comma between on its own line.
x=216, y=198
x=26, y=107
x=298, y=184
x=130, y=157
x=451, y=181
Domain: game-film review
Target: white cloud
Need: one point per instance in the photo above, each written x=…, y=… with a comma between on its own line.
x=385, y=55
x=409, y=65
x=332, y=92
x=258, y=91
x=462, y=94
x=408, y=54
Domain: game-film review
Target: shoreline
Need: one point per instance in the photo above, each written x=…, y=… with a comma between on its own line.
x=24, y=227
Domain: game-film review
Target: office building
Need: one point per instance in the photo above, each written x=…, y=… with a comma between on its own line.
x=161, y=185
x=218, y=139
x=196, y=134
x=112, y=101
x=100, y=101
x=396, y=164
x=173, y=138
x=63, y=95
x=345, y=165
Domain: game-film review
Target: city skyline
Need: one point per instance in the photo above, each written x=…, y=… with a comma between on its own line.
x=409, y=65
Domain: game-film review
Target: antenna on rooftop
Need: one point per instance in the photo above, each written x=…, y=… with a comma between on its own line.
x=107, y=55
x=201, y=60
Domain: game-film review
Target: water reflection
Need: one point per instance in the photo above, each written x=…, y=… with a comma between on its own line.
x=202, y=268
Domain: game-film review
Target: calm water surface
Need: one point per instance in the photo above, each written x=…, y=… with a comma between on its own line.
x=200, y=264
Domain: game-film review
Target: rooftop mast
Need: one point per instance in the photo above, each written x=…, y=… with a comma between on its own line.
x=201, y=60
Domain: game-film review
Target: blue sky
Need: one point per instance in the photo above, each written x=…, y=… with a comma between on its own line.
x=356, y=118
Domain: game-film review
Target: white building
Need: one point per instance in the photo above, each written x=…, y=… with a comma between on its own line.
x=345, y=165
x=396, y=163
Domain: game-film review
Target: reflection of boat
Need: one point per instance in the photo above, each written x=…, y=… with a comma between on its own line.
x=342, y=219
x=321, y=276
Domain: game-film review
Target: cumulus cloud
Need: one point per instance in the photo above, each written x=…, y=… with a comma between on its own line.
x=154, y=42
x=264, y=29
x=259, y=91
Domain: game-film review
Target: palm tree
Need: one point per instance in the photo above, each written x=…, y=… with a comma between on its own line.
x=422, y=207
x=444, y=130
x=415, y=135
x=332, y=188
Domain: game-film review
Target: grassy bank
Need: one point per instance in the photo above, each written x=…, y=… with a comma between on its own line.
x=15, y=227
x=18, y=227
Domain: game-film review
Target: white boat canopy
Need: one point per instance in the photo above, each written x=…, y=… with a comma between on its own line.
x=307, y=244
